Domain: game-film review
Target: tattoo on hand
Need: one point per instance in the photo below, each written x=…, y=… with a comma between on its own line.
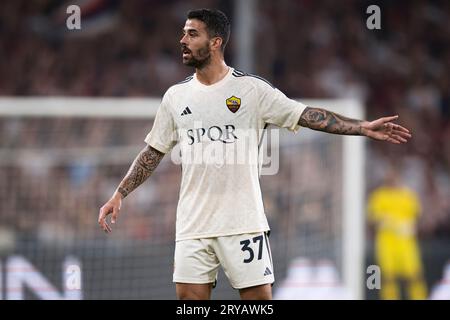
x=324, y=120
x=142, y=168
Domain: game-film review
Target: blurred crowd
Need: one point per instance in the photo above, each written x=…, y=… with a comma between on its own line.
x=308, y=49
x=58, y=172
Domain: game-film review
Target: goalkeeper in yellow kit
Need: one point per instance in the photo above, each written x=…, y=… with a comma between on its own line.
x=394, y=210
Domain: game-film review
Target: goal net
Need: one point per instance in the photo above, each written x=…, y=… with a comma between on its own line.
x=61, y=159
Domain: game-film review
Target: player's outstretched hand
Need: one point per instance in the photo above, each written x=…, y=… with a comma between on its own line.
x=111, y=207
x=385, y=130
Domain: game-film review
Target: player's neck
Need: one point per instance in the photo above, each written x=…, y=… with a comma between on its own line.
x=212, y=73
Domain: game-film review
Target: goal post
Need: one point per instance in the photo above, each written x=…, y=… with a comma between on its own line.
x=353, y=189
x=78, y=149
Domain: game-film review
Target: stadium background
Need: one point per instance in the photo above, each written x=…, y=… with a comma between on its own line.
x=308, y=49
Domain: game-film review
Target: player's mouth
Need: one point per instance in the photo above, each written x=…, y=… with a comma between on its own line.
x=186, y=52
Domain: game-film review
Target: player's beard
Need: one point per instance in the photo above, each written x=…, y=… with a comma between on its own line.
x=200, y=58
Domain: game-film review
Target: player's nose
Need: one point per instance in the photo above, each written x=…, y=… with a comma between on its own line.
x=183, y=39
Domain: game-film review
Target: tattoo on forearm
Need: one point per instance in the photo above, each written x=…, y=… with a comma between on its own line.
x=324, y=120
x=142, y=168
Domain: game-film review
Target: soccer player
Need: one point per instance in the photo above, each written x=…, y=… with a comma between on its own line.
x=394, y=209
x=220, y=214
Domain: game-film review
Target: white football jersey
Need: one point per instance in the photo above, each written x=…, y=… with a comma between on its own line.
x=218, y=129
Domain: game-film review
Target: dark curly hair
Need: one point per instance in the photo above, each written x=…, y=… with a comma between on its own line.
x=217, y=24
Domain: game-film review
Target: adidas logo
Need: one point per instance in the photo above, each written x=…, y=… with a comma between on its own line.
x=186, y=111
x=267, y=272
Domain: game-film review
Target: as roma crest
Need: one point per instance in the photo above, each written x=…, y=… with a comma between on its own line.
x=233, y=103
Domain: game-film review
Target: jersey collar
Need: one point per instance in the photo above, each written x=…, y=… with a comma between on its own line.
x=213, y=86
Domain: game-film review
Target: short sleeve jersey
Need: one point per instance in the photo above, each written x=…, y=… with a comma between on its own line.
x=218, y=129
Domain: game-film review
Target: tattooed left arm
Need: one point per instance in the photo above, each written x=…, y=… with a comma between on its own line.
x=381, y=129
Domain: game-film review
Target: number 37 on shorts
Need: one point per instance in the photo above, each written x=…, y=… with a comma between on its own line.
x=245, y=258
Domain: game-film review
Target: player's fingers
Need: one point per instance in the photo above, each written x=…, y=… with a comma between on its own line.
x=114, y=214
x=398, y=138
x=400, y=128
x=386, y=137
x=392, y=140
x=389, y=119
x=402, y=134
x=102, y=218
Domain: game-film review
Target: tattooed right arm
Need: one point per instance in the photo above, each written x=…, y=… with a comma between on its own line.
x=142, y=168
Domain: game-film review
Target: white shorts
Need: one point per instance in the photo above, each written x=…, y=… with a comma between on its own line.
x=245, y=258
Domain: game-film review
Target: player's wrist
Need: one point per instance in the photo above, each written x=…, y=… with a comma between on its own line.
x=364, y=128
x=117, y=195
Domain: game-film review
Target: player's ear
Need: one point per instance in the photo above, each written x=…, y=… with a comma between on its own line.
x=216, y=43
